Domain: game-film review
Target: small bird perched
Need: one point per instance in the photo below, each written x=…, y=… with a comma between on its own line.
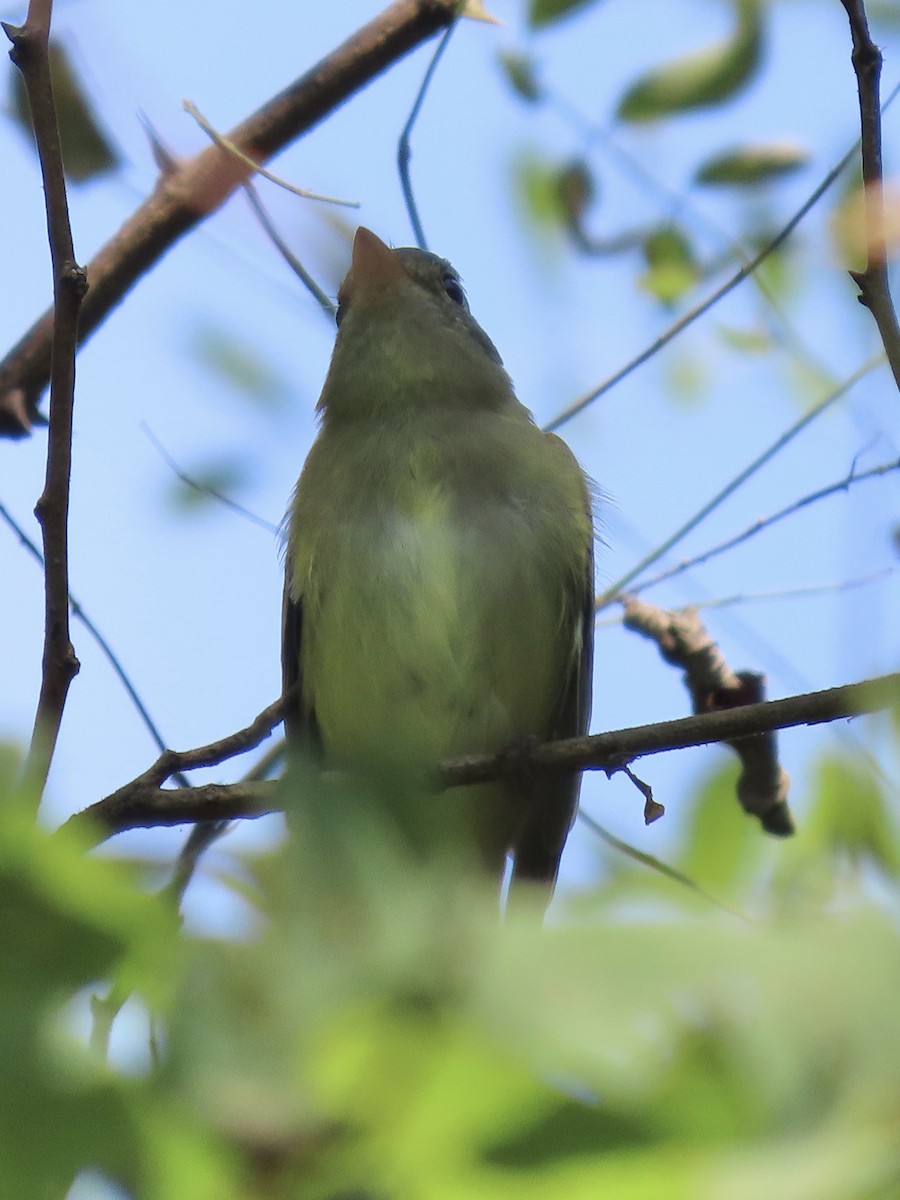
x=439, y=564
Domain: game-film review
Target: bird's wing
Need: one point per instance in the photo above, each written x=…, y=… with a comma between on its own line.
x=299, y=718
x=551, y=803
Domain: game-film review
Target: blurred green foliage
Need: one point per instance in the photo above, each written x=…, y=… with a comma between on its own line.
x=706, y=77
x=87, y=151
x=748, y=166
x=380, y=1034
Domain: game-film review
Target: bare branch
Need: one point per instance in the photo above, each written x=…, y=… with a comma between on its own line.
x=324, y=301
x=713, y=686
x=170, y=762
x=79, y=613
x=203, y=488
x=614, y=591
x=31, y=54
x=873, y=281
x=692, y=315
x=140, y=804
x=198, y=186
x=843, y=485
x=404, y=145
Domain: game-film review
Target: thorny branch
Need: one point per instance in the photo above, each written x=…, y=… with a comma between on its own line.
x=198, y=186
x=143, y=804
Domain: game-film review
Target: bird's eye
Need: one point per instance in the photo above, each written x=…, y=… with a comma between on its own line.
x=454, y=289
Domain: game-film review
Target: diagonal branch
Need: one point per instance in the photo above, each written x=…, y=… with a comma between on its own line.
x=141, y=804
x=31, y=54
x=874, y=289
x=200, y=185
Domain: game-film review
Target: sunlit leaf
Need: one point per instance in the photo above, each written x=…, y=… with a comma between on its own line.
x=536, y=188
x=544, y=12
x=721, y=846
x=521, y=73
x=66, y=920
x=745, y=341
x=852, y=815
x=703, y=78
x=671, y=267
x=86, y=149
x=748, y=166
x=861, y=231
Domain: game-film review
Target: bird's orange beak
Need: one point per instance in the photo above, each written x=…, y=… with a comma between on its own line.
x=373, y=268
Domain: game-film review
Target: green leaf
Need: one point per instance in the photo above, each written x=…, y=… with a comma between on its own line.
x=86, y=150
x=239, y=364
x=536, y=188
x=745, y=341
x=721, y=844
x=703, y=78
x=751, y=165
x=672, y=269
x=545, y=12
x=577, y=190
x=522, y=75
x=205, y=485
x=852, y=817
x=66, y=921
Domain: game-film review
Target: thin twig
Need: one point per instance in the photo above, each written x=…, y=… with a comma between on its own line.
x=324, y=301
x=873, y=282
x=229, y=147
x=203, y=488
x=31, y=54
x=204, y=834
x=688, y=564
x=689, y=317
x=140, y=804
x=800, y=593
x=404, y=147
x=655, y=864
x=615, y=589
x=198, y=186
x=607, y=135
x=107, y=650
x=211, y=755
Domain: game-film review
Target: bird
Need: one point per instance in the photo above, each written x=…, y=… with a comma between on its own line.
x=439, y=567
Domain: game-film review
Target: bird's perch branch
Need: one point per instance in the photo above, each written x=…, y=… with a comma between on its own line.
x=874, y=290
x=713, y=686
x=198, y=186
x=31, y=54
x=143, y=804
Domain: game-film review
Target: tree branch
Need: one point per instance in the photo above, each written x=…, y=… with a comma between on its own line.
x=873, y=281
x=200, y=185
x=842, y=485
x=31, y=54
x=683, y=641
x=141, y=805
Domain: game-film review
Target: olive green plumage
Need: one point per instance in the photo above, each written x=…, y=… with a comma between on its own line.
x=439, y=593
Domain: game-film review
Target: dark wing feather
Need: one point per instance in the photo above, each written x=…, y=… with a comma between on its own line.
x=551, y=805
x=299, y=718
